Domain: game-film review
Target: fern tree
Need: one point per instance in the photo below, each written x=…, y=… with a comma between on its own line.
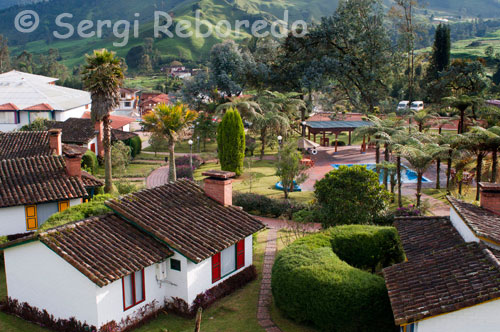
x=102, y=76
x=231, y=142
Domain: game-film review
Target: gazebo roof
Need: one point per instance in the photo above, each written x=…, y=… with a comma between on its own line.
x=329, y=125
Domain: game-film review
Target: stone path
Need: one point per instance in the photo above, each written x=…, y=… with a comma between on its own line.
x=265, y=295
x=157, y=178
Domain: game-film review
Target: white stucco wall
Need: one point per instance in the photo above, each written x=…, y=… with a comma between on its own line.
x=200, y=275
x=4, y=127
x=38, y=276
x=93, y=141
x=483, y=317
x=72, y=113
x=462, y=227
x=12, y=220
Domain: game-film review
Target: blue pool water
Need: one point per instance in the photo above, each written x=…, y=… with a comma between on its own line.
x=407, y=175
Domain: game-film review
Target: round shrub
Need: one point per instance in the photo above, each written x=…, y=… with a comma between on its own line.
x=265, y=206
x=136, y=145
x=184, y=172
x=184, y=161
x=311, y=284
x=90, y=162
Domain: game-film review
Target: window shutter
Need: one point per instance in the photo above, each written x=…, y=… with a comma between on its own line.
x=240, y=254
x=216, y=267
x=31, y=217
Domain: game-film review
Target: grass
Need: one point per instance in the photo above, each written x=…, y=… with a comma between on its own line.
x=468, y=194
x=132, y=170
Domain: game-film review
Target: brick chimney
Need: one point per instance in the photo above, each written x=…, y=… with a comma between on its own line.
x=55, y=142
x=99, y=129
x=219, y=186
x=490, y=196
x=73, y=159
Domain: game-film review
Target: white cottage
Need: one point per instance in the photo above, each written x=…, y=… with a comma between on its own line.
x=25, y=97
x=173, y=241
x=451, y=280
x=37, y=181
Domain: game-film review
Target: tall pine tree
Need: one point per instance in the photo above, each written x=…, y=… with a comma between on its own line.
x=231, y=142
x=440, y=59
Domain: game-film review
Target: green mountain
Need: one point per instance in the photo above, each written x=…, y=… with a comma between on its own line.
x=72, y=50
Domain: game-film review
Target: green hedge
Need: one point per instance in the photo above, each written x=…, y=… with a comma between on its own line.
x=90, y=162
x=265, y=206
x=311, y=284
x=135, y=144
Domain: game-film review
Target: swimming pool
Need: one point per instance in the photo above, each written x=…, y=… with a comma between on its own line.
x=407, y=175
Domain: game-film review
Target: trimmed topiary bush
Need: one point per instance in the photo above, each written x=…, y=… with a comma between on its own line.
x=231, y=142
x=90, y=162
x=265, y=206
x=311, y=284
x=135, y=144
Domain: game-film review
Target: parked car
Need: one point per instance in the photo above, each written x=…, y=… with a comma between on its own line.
x=417, y=106
x=403, y=105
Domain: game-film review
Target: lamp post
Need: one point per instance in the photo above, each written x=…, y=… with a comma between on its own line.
x=280, y=141
x=190, y=142
x=199, y=147
x=304, y=129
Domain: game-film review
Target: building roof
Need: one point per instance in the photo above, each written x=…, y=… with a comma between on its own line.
x=37, y=180
x=26, y=90
x=117, y=122
x=76, y=131
x=105, y=248
x=483, y=223
x=15, y=75
x=153, y=99
x=23, y=144
x=90, y=181
x=120, y=135
x=423, y=235
x=8, y=107
x=39, y=107
x=181, y=215
x=129, y=90
x=442, y=274
x=322, y=125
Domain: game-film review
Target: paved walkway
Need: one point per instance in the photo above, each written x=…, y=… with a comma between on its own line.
x=157, y=178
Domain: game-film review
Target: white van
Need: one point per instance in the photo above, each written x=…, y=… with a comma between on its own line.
x=403, y=105
x=417, y=106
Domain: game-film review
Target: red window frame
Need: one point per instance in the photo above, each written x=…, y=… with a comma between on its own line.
x=240, y=254
x=134, y=303
x=216, y=268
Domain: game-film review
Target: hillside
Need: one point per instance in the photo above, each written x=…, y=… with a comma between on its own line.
x=72, y=50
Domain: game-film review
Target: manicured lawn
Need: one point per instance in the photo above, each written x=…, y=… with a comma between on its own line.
x=237, y=312
x=263, y=182
x=468, y=194
x=132, y=170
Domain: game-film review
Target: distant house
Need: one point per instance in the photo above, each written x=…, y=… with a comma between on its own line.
x=129, y=103
x=117, y=122
x=451, y=280
x=149, y=101
x=36, y=180
x=25, y=97
x=173, y=241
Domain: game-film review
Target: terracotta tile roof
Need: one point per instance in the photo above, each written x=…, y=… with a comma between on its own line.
x=39, y=107
x=442, y=281
x=76, y=131
x=423, y=235
x=117, y=122
x=182, y=216
x=23, y=144
x=120, y=135
x=105, y=248
x=90, y=181
x=37, y=180
x=8, y=107
x=482, y=222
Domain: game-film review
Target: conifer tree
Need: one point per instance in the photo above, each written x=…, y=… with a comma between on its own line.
x=231, y=142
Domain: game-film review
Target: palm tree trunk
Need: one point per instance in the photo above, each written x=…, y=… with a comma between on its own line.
x=263, y=140
x=461, y=123
x=460, y=183
x=494, y=166
x=108, y=177
x=419, y=187
x=377, y=153
x=448, y=172
x=479, y=169
x=438, y=173
x=172, y=174
x=386, y=172
x=398, y=167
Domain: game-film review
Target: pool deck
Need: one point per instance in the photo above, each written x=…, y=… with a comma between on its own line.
x=351, y=155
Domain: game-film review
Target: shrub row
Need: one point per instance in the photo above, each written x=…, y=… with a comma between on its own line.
x=209, y=297
x=135, y=144
x=184, y=161
x=90, y=162
x=311, y=284
x=265, y=206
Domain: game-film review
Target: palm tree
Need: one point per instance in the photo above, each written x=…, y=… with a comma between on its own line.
x=478, y=142
x=247, y=107
x=422, y=118
x=288, y=103
x=420, y=155
x=102, y=76
x=169, y=121
x=270, y=121
x=494, y=145
x=461, y=103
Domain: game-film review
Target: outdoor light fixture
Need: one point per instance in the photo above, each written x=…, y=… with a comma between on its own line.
x=190, y=142
x=280, y=139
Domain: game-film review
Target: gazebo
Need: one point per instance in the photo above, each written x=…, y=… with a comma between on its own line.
x=333, y=128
